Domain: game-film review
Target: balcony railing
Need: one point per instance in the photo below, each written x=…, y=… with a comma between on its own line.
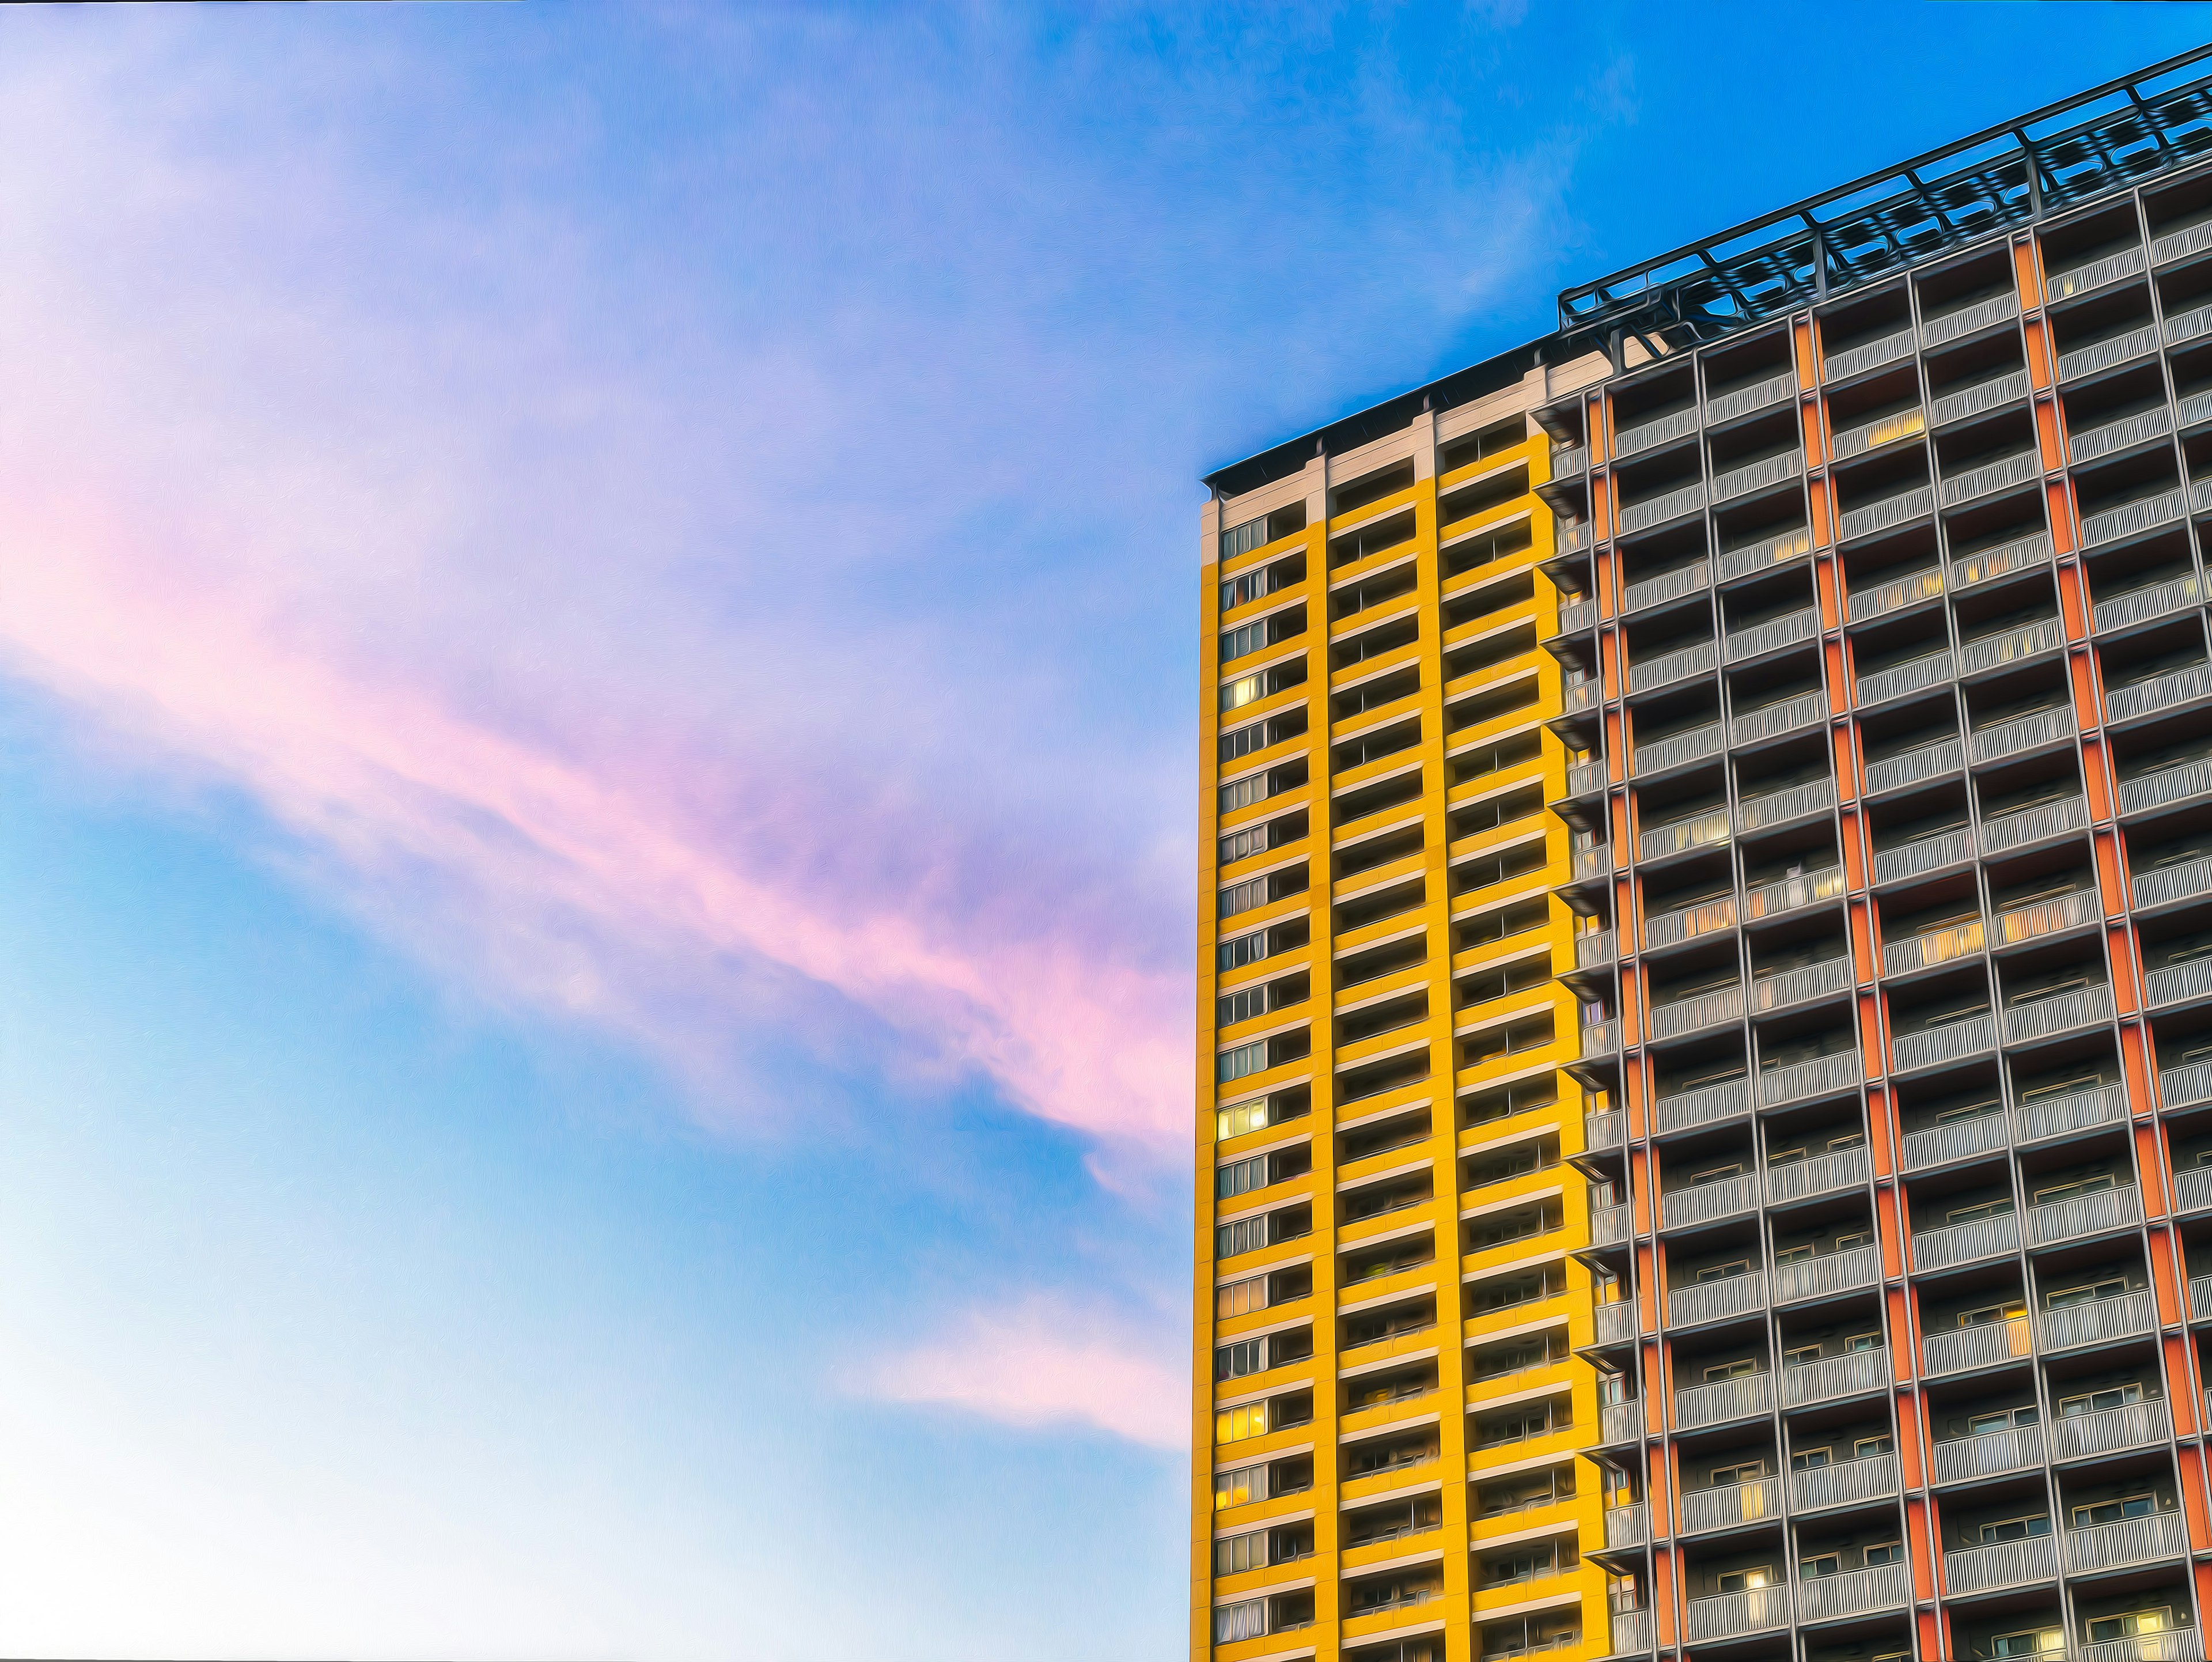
x=1676, y=748
x=1840, y=1168
x=1596, y=950
x=2151, y=601
x=2161, y=786
x=1703, y=1105
x=1573, y=538
x=1631, y=1633
x=1895, y=594
x=1932, y=1047
x=2067, y=911
x=1661, y=430
x=1981, y=396
x=1686, y=923
x=2191, y=325
x=1801, y=1080
x=1872, y=434
x=1620, y=1422
x=1852, y=1374
x=1757, y=476
x=2181, y=242
x=1727, y=1615
x=2176, y=1645
x=1911, y=766
x=2025, y=826
x=1772, y=635
x=1696, y=660
x=1713, y=1301
x=2157, y=692
x=1855, y=1593
x=2192, y=1188
x=1982, y=314
x=2195, y=408
x=1991, y=476
x=2000, y=559
x=1954, y=1350
x=1965, y=1459
x=2172, y=983
x=1890, y=511
x=2186, y=1086
x=1610, y=1226
x=1912, y=676
x=2162, y=886
x=1963, y=1243
x=1931, y=947
x=1834, y=1272
x=1961, y=1139
x=1742, y=400
x=1657, y=510
x=1747, y=558
x=1704, y=1010
x=2098, y=1322
x=1626, y=1526
x=2022, y=733
x=1595, y=861
x=1697, y=830
x=2025, y=1021
x=2131, y=1541
x=1789, y=894
x=1870, y=355
x=1731, y=1504
x=2085, y=1214
x=2093, y=275
x=1682, y=1206
x=1568, y=460
x=1690, y=579
x=1783, y=715
x=1577, y=697
x=1615, y=1323
x=2129, y=430
x=2104, y=354
x=1600, y=1038
x=1845, y=1484
x=2078, y=1436
x=2200, y=1298
x=1723, y=1400
x=1586, y=778
x=2077, y=1110
x=2008, y=646
x=2006, y=1564
x=1800, y=985
x=2129, y=519
x=1577, y=617
x=1779, y=807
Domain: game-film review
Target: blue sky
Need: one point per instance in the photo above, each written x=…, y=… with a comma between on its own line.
x=597, y=676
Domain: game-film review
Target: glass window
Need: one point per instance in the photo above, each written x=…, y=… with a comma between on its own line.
x=1865, y=1448
x=1743, y=1580
x=1995, y=1208
x=2011, y=1310
x=2113, y=1512
x=2013, y=1528
x=1861, y=1341
x=1785, y=1156
x=1849, y=1242
x=2026, y=1644
x=1723, y=1272
x=1886, y=1552
x=2130, y=1623
x=2089, y=1292
x=1736, y=1370
x=1802, y=1357
x=1793, y=1254
x=1808, y=1459
x=2066, y=1192
x=1812, y=1569
x=2098, y=1402
x=1749, y=1472
x=1717, y=1174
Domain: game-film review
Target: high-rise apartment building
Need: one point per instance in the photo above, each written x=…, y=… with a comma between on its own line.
x=1833, y=892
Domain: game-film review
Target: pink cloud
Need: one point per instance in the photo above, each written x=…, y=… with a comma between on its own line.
x=1043, y=1363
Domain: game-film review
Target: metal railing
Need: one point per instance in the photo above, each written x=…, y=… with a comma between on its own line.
x=1703, y=1105
x=1701, y=1010
x=2156, y=692
x=1938, y=1145
x=2095, y=274
x=1569, y=459
x=1627, y=1526
x=1583, y=777
x=2196, y=407
x=2138, y=429
x=1742, y=400
x=2006, y=645
x=1910, y=767
x=1595, y=861
x=1657, y=510
x=1895, y=594
x=1789, y=893
x=1631, y=1633
x=2181, y=242
x=2161, y=786
x=1991, y=478
x=2110, y=525
x=2175, y=1644
x=1783, y=715
x=1577, y=617
x=1757, y=476
x=1950, y=325
x=2192, y=1188
x=1890, y=511
x=2200, y=1298
x=1870, y=355
x=2191, y=325
x=2085, y=1214
x=1686, y=923
x=1963, y=1243
x=1855, y=1593
x=2104, y=354
x=1694, y=659
x=1712, y=1301
x=1931, y=947
x=2033, y=1019
x=1730, y=1504
x=1981, y=397
x=1679, y=1208
x=2000, y=559
x=1725, y=1399
x=2098, y=1322
x=2006, y=1564
x=1600, y=1038
x=1610, y=1226
x=1954, y=1350
x=1667, y=586
x=2077, y=1110
x=2054, y=916
x=2077, y=1436
x=1772, y=635
x=2130, y=1541
x=1778, y=807
x=2025, y=826
x=1872, y=434
x=1849, y=1375
x=1661, y=430
x=2185, y=879
x=1726, y=1615
x=1844, y=1484
x=1747, y=558
x=1679, y=747
x=1895, y=681
x=1923, y=855
x=1832, y=1272
x=1963, y=1460
x=1695, y=831
x=2022, y=733
x=1596, y=950
x=2186, y=1086
x=1620, y=1422
x=1815, y=1078
x=2171, y=983
x=1607, y=1130
x=1931, y=1047
x=1809, y=981
x=1575, y=539
x=1577, y=697
x=1615, y=1323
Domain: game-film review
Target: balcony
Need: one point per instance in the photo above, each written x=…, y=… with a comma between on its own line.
x=2174, y=983
x=1682, y=1208
x=2131, y=1541
x=1594, y=951
x=1992, y=1454
x=2185, y=326
x=1911, y=766
x=2028, y=1020
x=1697, y=659
x=1783, y=715
x=2192, y=1189
x=1688, y=1015
x=1631, y=1633
x=1772, y=635
x=1966, y=1243
x=1714, y=1405
x=1979, y=398
x=1895, y=594
x=2161, y=786
x=1579, y=698
x=1688, y=923
x=1691, y=579
x=1712, y=1301
x=2010, y=646
x=1658, y=511
x=1607, y=1130
x=2200, y=1298
x=2177, y=1645
x=2185, y=879
x=1982, y=314
x=2077, y=1110
x=1596, y=860
x=2122, y=434
x=1956, y=1350
x=2002, y=559
x=1845, y=1484
x=1743, y=560
x=1931, y=947
x=1620, y=1422
x=1824, y=1276
x=1961, y=1139
x=2022, y=733
x=2102, y=1322
x=1696, y=831
x=1577, y=617
x=2006, y=1564
x=2085, y=1214
x=1756, y=476
x=2079, y=1436
x=1575, y=539
x=2113, y=525
x=2044, y=917
x=2096, y=274
x=1855, y=1593
x=1626, y=1526
x=2139, y=605
x=1800, y=1179
x=1650, y=435
x=1744, y=400
x=2023, y=826
x=2104, y=354
x=1935, y=1047
x=1802, y=1080
x=1870, y=355
x=1852, y=1374
x=1872, y=434
x=1610, y=1226
x=2158, y=692
x=1888, y=512
x=1991, y=478
x=1707, y=1509
x=1614, y=1323
x=1601, y=1039
x=1678, y=748
x=1923, y=855
x=1792, y=894
x=1731, y=1615
x=2185, y=1086
x=1779, y=807
x=1703, y=1106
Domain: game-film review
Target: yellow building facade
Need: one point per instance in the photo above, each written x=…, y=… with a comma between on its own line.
x=1387, y=1409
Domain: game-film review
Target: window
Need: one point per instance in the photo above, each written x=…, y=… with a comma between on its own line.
x=1808, y=1459
x=1861, y=1341
x=1721, y=1272
x=1740, y=1369
x=2131, y=1623
x=2011, y=1310
x=2089, y=1292
x=1240, y=1177
x=1234, y=1425
x=1971, y=1110
x=1750, y=1472
x=2098, y=1402
x=1244, y=1235
x=1852, y=1242
x=1984, y=1425
x=1813, y=1569
x=2074, y=1190
x=1245, y=1059
x=1804, y=1355
x=1234, y=1489
x=1244, y=689
x=1234, y=1362
x=2113, y=1512
x=2013, y=1528
x=2033, y=1643
x=1717, y=1174
x=1793, y=1254
x=1850, y=1140
x=1995, y=1209
x=1865, y=1448
x=1744, y=1581
x=1885, y=1552
x=1238, y=1117
x=1234, y=1554
x=1785, y=1156
x=1234, y=954
x=1240, y=1298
